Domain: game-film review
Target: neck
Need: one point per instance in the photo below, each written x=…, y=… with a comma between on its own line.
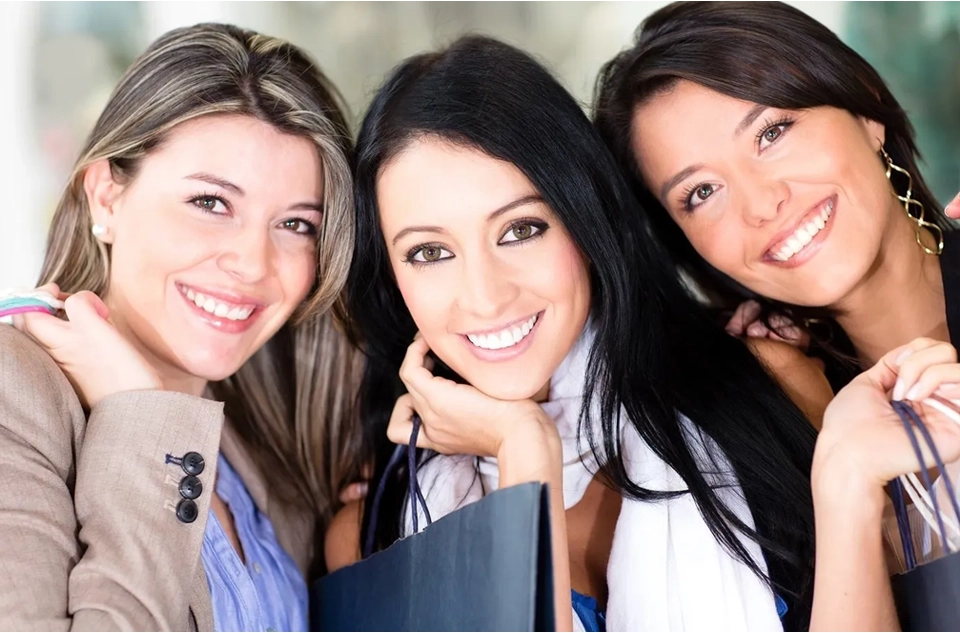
x=172, y=378
x=900, y=299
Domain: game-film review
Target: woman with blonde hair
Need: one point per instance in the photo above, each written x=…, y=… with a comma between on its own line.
x=170, y=449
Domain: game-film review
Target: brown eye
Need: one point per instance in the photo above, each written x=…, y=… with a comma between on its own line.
x=301, y=227
x=704, y=191
x=772, y=134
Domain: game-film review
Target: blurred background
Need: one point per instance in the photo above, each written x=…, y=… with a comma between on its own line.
x=60, y=61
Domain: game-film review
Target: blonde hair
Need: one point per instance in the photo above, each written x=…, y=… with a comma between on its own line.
x=292, y=401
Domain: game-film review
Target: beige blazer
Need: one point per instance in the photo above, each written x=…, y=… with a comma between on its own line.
x=90, y=537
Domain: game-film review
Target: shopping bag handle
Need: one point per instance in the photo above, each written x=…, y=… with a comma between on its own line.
x=927, y=505
x=415, y=495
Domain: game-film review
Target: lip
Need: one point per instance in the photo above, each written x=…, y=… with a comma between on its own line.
x=500, y=355
x=811, y=249
x=222, y=324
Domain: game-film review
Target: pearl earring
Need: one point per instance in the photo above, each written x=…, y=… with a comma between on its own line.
x=99, y=230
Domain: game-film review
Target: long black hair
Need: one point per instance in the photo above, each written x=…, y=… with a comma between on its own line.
x=768, y=53
x=657, y=352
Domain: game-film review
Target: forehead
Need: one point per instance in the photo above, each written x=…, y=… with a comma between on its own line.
x=244, y=150
x=436, y=179
x=685, y=116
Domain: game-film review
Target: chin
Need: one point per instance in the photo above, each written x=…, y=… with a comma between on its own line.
x=212, y=367
x=504, y=387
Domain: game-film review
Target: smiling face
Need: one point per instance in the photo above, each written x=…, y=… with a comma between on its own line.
x=494, y=282
x=794, y=205
x=214, y=243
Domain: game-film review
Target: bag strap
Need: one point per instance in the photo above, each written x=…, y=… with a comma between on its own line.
x=414, y=492
x=927, y=505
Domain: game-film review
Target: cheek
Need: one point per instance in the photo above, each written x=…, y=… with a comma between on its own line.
x=425, y=292
x=297, y=272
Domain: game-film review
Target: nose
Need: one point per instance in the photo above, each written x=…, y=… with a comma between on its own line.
x=766, y=197
x=247, y=255
x=486, y=287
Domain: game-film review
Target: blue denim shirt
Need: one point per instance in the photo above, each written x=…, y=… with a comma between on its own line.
x=268, y=593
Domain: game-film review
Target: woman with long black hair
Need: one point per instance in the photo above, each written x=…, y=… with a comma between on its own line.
x=507, y=291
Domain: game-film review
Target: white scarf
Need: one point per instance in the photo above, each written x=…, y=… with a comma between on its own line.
x=667, y=572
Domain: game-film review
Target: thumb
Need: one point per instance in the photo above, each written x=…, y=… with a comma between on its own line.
x=884, y=374
x=953, y=208
x=86, y=308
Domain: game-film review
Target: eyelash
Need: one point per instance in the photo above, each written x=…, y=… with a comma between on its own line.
x=784, y=122
x=540, y=225
x=196, y=200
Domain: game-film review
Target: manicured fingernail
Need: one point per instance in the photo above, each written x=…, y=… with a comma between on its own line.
x=913, y=393
x=362, y=489
x=898, y=389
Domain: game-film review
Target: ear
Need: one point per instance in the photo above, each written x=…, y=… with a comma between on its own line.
x=875, y=131
x=102, y=193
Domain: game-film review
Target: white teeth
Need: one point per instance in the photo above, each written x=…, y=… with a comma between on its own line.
x=804, y=234
x=217, y=308
x=505, y=338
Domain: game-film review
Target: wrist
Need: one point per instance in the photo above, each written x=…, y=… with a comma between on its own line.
x=530, y=450
x=842, y=485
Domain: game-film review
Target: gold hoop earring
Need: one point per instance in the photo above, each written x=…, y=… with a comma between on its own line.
x=909, y=201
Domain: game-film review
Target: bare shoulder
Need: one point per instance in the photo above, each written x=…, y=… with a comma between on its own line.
x=799, y=376
x=342, y=543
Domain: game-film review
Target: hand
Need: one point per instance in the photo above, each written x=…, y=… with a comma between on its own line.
x=746, y=322
x=459, y=419
x=953, y=208
x=357, y=490
x=863, y=437
x=92, y=353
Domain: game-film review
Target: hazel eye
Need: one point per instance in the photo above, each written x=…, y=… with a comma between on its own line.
x=521, y=232
x=428, y=254
x=431, y=253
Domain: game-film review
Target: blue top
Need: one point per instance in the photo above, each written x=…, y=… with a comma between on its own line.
x=269, y=592
x=595, y=621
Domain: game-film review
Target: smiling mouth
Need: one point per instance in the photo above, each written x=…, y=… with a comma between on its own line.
x=217, y=307
x=796, y=242
x=505, y=338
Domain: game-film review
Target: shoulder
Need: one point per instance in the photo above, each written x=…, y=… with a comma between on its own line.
x=799, y=375
x=30, y=375
x=342, y=542
x=38, y=406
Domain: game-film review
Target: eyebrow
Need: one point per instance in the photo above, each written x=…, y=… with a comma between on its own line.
x=748, y=120
x=519, y=202
x=229, y=186
x=682, y=175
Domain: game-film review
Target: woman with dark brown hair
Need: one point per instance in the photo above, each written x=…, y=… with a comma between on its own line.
x=775, y=165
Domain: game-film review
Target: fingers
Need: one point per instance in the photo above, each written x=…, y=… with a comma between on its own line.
x=412, y=370
x=85, y=308
x=354, y=492
x=929, y=358
x=46, y=329
x=401, y=423
x=787, y=331
x=745, y=314
x=953, y=208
